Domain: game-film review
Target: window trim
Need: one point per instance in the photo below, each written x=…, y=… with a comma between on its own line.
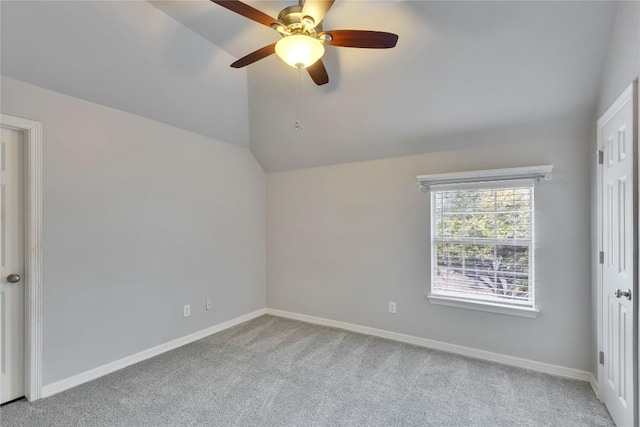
x=478, y=305
x=536, y=172
x=487, y=179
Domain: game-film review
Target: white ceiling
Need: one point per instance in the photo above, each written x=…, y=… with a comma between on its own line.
x=129, y=56
x=460, y=68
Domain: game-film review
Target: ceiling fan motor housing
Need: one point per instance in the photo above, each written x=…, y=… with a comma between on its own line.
x=292, y=19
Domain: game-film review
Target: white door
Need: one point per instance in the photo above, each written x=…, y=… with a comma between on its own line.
x=11, y=265
x=616, y=137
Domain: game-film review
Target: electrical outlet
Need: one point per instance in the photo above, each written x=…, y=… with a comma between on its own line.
x=187, y=310
x=209, y=304
x=392, y=307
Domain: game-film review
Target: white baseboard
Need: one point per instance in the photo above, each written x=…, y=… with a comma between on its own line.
x=57, y=387
x=594, y=385
x=532, y=365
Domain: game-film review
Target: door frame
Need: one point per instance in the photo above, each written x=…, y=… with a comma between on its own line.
x=630, y=94
x=32, y=251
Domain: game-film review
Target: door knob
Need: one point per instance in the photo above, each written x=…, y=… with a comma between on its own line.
x=627, y=294
x=13, y=278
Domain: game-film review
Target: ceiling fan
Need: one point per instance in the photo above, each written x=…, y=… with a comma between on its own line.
x=303, y=39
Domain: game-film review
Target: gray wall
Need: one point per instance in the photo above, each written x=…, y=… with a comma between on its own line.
x=621, y=68
x=623, y=57
x=343, y=240
x=140, y=218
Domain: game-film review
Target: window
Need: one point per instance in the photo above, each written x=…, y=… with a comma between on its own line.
x=482, y=238
x=482, y=242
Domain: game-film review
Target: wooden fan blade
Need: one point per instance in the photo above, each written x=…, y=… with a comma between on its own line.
x=255, y=56
x=318, y=73
x=247, y=11
x=362, y=39
x=317, y=9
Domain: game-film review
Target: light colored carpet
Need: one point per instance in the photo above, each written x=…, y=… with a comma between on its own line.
x=277, y=372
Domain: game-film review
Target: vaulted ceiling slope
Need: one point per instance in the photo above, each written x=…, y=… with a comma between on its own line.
x=129, y=56
x=458, y=68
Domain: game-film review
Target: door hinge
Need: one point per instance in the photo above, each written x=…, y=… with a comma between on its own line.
x=601, y=257
x=601, y=358
x=600, y=157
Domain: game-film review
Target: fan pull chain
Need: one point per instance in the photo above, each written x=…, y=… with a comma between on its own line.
x=299, y=125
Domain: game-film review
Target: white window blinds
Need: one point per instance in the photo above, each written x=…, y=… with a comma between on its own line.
x=482, y=241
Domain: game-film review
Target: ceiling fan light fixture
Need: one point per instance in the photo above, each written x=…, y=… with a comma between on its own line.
x=299, y=50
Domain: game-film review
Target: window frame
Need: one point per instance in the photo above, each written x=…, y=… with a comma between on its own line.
x=479, y=304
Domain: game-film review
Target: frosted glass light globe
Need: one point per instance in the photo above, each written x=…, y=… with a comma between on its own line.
x=299, y=50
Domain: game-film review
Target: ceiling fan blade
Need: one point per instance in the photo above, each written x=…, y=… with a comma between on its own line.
x=317, y=9
x=318, y=73
x=248, y=12
x=362, y=39
x=263, y=52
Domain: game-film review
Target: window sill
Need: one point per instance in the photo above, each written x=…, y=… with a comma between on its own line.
x=531, y=313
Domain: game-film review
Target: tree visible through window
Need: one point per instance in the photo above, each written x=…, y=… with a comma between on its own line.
x=483, y=242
